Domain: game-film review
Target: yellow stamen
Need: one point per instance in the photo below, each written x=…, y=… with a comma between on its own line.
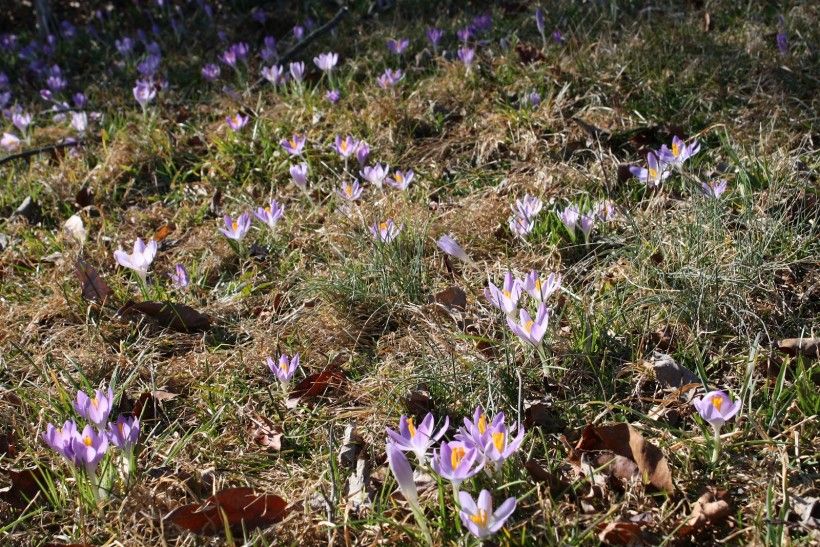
x=383, y=227
x=235, y=225
x=267, y=209
x=343, y=146
x=411, y=427
x=675, y=149
x=482, y=424
x=95, y=402
x=498, y=440
x=398, y=177
x=506, y=293
x=87, y=441
x=120, y=425
x=349, y=191
x=480, y=518
x=717, y=402
x=528, y=326
x=456, y=456
x=293, y=143
x=653, y=173
x=538, y=284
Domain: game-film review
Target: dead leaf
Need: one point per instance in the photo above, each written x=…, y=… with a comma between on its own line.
x=164, y=231
x=94, y=288
x=25, y=485
x=625, y=441
x=84, y=197
x=669, y=373
x=265, y=433
x=178, y=317
x=542, y=414
x=75, y=229
x=453, y=298
x=359, y=491
x=315, y=385
x=553, y=480
x=241, y=508
x=352, y=445
x=215, y=207
x=709, y=510
x=149, y=404
x=806, y=347
x=528, y=54
x=807, y=509
x=621, y=533
x=418, y=403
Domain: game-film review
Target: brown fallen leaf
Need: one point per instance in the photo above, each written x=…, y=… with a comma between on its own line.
x=265, y=433
x=178, y=317
x=543, y=414
x=94, y=288
x=84, y=197
x=710, y=509
x=625, y=441
x=452, y=298
x=148, y=406
x=621, y=533
x=554, y=482
x=528, y=54
x=806, y=347
x=315, y=385
x=164, y=231
x=352, y=445
x=25, y=485
x=241, y=508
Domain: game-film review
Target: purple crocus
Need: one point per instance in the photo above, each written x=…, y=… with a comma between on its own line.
x=478, y=515
x=716, y=408
x=586, y=224
x=362, y=152
x=274, y=74
x=284, y=368
x=531, y=99
x=298, y=174
x=541, y=289
x=88, y=448
x=506, y=298
x=149, y=66
x=375, y=175
x=464, y=34
x=782, y=42
x=605, y=210
x=79, y=99
x=456, y=462
x=521, y=226
x=528, y=329
x=403, y=473
x=466, y=55
x=540, y=22
x=500, y=447
x=397, y=46
x=294, y=145
x=713, y=188
x=326, y=61
x=211, y=71
x=270, y=214
x=417, y=440
x=557, y=36
x=124, y=45
x=345, y=147
x=528, y=207
x=679, y=152
x=179, y=278
x=237, y=121
x=298, y=32
x=434, y=35
x=21, y=121
x=96, y=409
x=655, y=172
x=144, y=93
x=333, y=96
x=124, y=433
x=140, y=258
x=476, y=432
x=297, y=71
x=400, y=180
x=569, y=217
x=9, y=142
x=350, y=192
x=236, y=229
x=449, y=245
x=385, y=232
x=59, y=438
x=390, y=78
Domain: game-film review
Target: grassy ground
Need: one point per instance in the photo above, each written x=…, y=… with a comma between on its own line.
x=713, y=283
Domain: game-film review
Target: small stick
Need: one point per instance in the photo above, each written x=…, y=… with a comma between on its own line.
x=34, y=151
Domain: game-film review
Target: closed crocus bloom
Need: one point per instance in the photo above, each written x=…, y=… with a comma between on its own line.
x=326, y=61
x=362, y=152
x=95, y=409
x=400, y=180
x=569, y=217
x=299, y=173
x=284, y=368
x=478, y=515
x=9, y=142
x=521, y=226
x=716, y=408
x=140, y=259
x=466, y=55
x=679, y=152
x=528, y=207
x=144, y=93
x=79, y=121
x=236, y=229
x=375, y=175
x=654, y=174
x=350, y=192
x=417, y=439
x=294, y=145
x=333, y=96
x=403, y=473
x=237, y=121
x=434, y=35
x=713, y=188
x=399, y=46
x=385, y=232
x=297, y=71
x=59, y=438
x=499, y=446
x=270, y=214
x=541, y=289
x=540, y=22
x=179, y=278
x=605, y=210
x=274, y=74
x=528, y=329
x=449, y=245
x=456, y=462
x=89, y=447
x=345, y=147
x=586, y=224
x=124, y=433
x=505, y=298
x=21, y=120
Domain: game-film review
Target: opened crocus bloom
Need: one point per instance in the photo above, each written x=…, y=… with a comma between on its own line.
x=478, y=515
x=541, y=289
x=386, y=231
x=389, y=78
x=345, y=147
x=140, y=259
x=237, y=121
x=528, y=329
x=417, y=439
x=236, y=229
x=326, y=61
x=284, y=368
x=350, y=192
x=654, y=174
x=528, y=207
x=294, y=145
x=505, y=298
x=679, y=152
x=9, y=142
x=716, y=408
x=124, y=433
x=274, y=74
x=713, y=188
x=270, y=214
x=89, y=448
x=375, y=175
x=401, y=179
x=521, y=226
x=456, y=462
x=95, y=409
x=499, y=446
x=59, y=438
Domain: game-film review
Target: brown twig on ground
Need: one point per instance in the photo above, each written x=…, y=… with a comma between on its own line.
x=34, y=151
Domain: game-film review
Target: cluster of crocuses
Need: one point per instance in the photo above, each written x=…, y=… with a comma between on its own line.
x=483, y=443
x=661, y=163
x=524, y=212
x=237, y=228
x=85, y=448
x=507, y=298
x=573, y=218
x=140, y=259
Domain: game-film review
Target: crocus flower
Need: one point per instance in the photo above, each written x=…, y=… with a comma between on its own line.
x=569, y=217
x=375, y=175
x=400, y=180
x=417, y=440
x=298, y=174
x=124, y=45
x=79, y=121
x=124, y=433
x=466, y=55
x=326, y=61
x=211, y=72
x=605, y=210
x=401, y=469
x=79, y=99
x=716, y=408
x=362, y=152
x=96, y=409
x=59, y=438
x=434, y=35
x=345, y=147
x=449, y=245
x=499, y=446
x=521, y=226
x=271, y=214
x=285, y=368
x=586, y=224
x=294, y=145
x=389, y=78
x=140, y=259
x=679, y=153
x=478, y=515
x=179, y=278
x=540, y=23
x=298, y=32
x=399, y=46
x=713, y=188
x=9, y=142
x=456, y=462
x=333, y=96
x=528, y=329
x=236, y=229
x=237, y=121
x=144, y=93
x=557, y=37
x=386, y=231
x=88, y=448
x=350, y=192
x=476, y=432
x=21, y=120
x=505, y=298
x=532, y=99
x=528, y=207
x=540, y=289
x=655, y=172
x=464, y=34
x=297, y=71
x=274, y=74
x=782, y=42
